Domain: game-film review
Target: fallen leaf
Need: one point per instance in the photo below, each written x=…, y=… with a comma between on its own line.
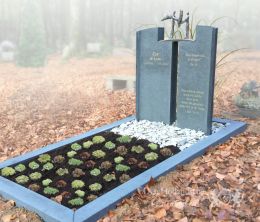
x=184, y=219
x=160, y=213
x=179, y=205
x=220, y=176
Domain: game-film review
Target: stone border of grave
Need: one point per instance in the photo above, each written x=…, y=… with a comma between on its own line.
x=54, y=212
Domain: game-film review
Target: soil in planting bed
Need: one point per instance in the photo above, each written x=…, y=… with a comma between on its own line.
x=133, y=164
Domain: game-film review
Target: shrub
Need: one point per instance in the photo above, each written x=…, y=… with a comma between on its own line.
x=76, y=146
x=75, y=162
x=109, y=177
x=105, y=165
x=7, y=171
x=91, y=197
x=151, y=156
x=122, y=168
x=95, y=172
x=87, y=144
x=61, y=184
x=137, y=149
x=35, y=176
x=76, y=201
x=118, y=159
x=20, y=168
x=34, y=187
x=76, y=184
x=71, y=154
x=62, y=171
x=44, y=158
x=153, y=146
x=124, y=178
x=98, y=154
x=95, y=187
x=80, y=193
x=50, y=190
x=78, y=173
x=98, y=139
x=58, y=159
x=48, y=166
x=121, y=150
x=33, y=165
x=166, y=152
x=110, y=145
x=22, y=179
x=124, y=139
x=46, y=182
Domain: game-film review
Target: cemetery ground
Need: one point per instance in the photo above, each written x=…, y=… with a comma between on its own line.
x=45, y=105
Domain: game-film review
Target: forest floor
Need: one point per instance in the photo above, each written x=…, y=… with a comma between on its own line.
x=40, y=106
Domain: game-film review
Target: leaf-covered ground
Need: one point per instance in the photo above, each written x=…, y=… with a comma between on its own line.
x=42, y=106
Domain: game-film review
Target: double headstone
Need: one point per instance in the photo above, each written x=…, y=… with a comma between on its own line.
x=175, y=79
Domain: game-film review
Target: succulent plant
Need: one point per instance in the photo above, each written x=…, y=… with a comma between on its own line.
x=33, y=165
x=35, y=176
x=166, y=152
x=153, y=146
x=76, y=146
x=124, y=178
x=75, y=162
x=95, y=187
x=46, y=182
x=22, y=179
x=76, y=201
x=98, y=154
x=66, y=195
x=91, y=197
x=48, y=166
x=95, y=172
x=62, y=171
x=122, y=168
x=50, y=190
x=143, y=165
x=137, y=149
x=20, y=168
x=61, y=184
x=7, y=171
x=78, y=173
x=110, y=145
x=85, y=155
x=105, y=165
x=58, y=159
x=44, y=158
x=132, y=161
x=34, y=187
x=71, y=154
x=121, y=150
x=118, y=159
x=76, y=184
x=124, y=139
x=98, y=139
x=109, y=177
x=90, y=164
x=151, y=156
x=87, y=144
x=80, y=193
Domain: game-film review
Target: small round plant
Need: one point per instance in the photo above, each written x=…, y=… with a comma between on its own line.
x=75, y=162
x=153, y=146
x=98, y=139
x=58, y=159
x=118, y=159
x=77, y=184
x=124, y=139
x=35, y=176
x=121, y=150
x=46, y=182
x=91, y=197
x=76, y=201
x=78, y=173
x=71, y=154
x=80, y=193
x=44, y=158
x=87, y=144
x=34, y=187
x=110, y=145
x=151, y=156
x=33, y=165
x=20, y=168
x=7, y=171
x=50, y=190
x=62, y=171
x=122, y=168
x=124, y=178
x=109, y=177
x=137, y=149
x=76, y=146
x=95, y=187
x=22, y=179
x=98, y=154
x=105, y=165
x=48, y=166
x=95, y=172
x=166, y=152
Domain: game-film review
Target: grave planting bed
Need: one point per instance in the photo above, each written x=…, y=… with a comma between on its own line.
x=92, y=205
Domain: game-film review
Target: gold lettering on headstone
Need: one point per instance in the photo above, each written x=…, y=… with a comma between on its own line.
x=191, y=102
x=194, y=59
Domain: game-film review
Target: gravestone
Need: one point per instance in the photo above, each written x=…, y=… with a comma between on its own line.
x=156, y=76
x=196, y=74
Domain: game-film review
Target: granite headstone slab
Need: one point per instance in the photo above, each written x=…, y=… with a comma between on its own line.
x=156, y=78
x=196, y=74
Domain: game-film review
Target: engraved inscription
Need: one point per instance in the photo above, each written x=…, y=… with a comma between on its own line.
x=194, y=59
x=155, y=59
x=192, y=101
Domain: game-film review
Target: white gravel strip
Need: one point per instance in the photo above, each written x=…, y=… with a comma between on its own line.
x=162, y=134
